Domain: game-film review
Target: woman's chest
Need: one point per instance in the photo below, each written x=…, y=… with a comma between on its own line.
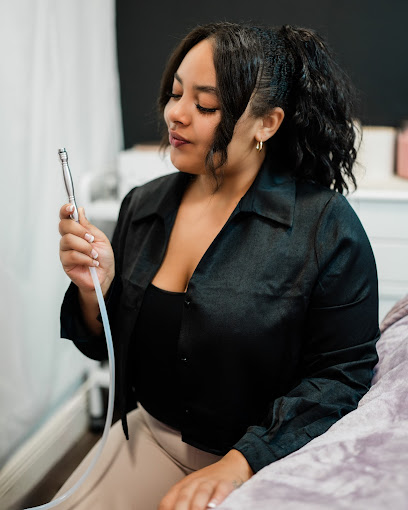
x=193, y=233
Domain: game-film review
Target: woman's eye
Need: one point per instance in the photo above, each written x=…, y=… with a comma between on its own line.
x=200, y=108
x=206, y=110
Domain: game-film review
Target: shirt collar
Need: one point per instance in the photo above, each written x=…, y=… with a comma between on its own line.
x=272, y=195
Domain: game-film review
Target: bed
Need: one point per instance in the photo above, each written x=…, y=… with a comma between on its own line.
x=361, y=462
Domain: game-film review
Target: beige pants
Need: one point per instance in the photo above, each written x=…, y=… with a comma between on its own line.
x=135, y=474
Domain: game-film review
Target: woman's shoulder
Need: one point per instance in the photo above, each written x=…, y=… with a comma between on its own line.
x=327, y=212
x=318, y=197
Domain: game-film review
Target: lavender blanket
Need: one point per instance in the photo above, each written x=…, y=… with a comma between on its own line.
x=361, y=462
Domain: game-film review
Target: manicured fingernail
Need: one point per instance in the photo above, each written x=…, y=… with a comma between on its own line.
x=94, y=254
x=90, y=238
x=212, y=504
x=70, y=208
x=95, y=263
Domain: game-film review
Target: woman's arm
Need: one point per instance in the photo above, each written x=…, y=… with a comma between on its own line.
x=80, y=317
x=339, y=352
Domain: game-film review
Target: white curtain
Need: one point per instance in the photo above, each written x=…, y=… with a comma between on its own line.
x=58, y=88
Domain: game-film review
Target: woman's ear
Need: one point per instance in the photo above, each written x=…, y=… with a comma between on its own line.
x=270, y=124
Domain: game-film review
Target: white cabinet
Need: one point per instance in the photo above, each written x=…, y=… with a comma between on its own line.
x=382, y=207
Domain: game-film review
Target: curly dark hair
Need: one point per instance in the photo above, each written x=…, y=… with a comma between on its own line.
x=286, y=67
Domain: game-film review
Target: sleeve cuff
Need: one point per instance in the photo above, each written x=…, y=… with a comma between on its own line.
x=73, y=327
x=256, y=451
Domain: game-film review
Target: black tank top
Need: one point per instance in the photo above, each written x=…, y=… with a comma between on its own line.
x=153, y=362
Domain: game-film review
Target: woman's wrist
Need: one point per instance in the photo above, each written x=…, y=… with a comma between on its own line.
x=88, y=303
x=106, y=285
x=89, y=294
x=240, y=464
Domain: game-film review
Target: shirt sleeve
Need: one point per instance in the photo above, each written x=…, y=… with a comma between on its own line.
x=339, y=352
x=73, y=326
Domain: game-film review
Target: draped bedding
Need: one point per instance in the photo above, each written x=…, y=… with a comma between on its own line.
x=361, y=462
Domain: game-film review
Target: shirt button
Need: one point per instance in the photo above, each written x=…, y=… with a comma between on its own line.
x=187, y=303
x=184, y=360
x=187, y=410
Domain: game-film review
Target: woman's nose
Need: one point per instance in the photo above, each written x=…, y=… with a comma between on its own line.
x=177, y=112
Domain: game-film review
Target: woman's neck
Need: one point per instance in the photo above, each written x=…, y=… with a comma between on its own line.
x=235, y=183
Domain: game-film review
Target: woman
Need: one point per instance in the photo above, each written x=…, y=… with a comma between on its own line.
x=242, y=291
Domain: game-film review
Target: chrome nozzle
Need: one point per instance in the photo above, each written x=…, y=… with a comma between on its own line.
x=63, y=155
x=69, y=185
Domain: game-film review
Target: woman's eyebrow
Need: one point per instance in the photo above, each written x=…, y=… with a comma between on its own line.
x=199, y=88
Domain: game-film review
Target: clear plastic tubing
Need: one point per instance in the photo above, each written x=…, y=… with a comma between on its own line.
x=109, y=414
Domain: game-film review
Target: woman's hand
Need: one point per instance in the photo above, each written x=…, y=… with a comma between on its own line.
x=82, y=246
x=208, y=487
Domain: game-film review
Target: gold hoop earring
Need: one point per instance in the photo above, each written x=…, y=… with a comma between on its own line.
x=259, y=146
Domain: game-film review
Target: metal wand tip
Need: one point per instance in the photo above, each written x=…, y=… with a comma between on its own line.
x=62, y=153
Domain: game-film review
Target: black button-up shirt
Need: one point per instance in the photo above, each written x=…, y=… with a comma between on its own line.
x=280, y=318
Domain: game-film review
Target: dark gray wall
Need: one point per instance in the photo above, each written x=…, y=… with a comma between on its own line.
x=369, y=37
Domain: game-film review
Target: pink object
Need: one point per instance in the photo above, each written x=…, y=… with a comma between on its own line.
x=402, y=153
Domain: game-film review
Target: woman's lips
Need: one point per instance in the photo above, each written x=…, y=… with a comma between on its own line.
x=175, y=142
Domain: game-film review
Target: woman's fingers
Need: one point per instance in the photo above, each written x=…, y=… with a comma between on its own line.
x=203, y=494
x=220, y=493
x=197, y=495
x=72, y=258
x=65, y=211
x=82, y=229
x=83, y=245
x=73, y=242
x=72, y=227
x=209, y=486
x=76, y=245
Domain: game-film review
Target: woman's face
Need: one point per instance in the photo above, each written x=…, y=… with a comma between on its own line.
x=193, y=113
